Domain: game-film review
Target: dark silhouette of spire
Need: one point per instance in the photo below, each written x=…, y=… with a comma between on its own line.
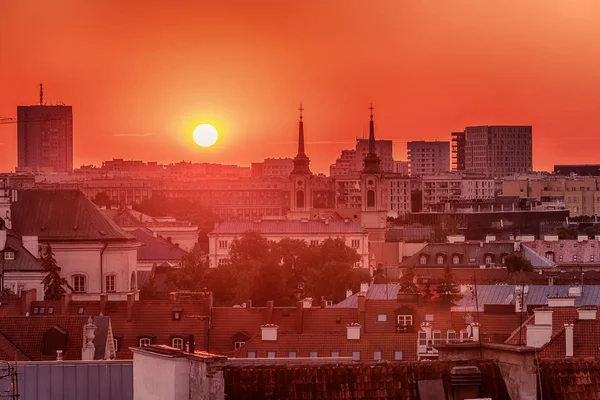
x=371, y=160
x=301, y=161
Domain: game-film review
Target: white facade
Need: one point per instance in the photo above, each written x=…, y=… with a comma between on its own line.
x=394, y=193
x=219, y=240
x=428, y=158
x=440, y=189
x=277, y=167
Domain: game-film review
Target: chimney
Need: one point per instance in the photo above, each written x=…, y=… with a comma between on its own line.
x=323, y=303
x=66, y=300
x=540, y=332
x=361, y=308
x=575, y=291
x=587, y=313
x=550, y=238
x=348, y=293
x=353, y=331
x=249, y=304
x=475, y=330
x=27, y=297
x=299, y=316
x=561, y=301
x=307, y=302
x=32, y=245
x=542, y=316
x=582, y=238
x=89, y=333
x=490, y=238
x=103, y=303
x=59, y=355
x=569, y=340
x=269, y=316
x=268, y=332
x=130, y=302
x=364, y=287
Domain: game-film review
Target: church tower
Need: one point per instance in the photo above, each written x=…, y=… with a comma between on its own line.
x=301, y=196
x=373, y=213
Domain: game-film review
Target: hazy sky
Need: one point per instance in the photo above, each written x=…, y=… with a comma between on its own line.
x=141, y=74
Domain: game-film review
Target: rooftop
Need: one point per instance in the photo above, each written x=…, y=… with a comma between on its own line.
x=156, y=248
x=305, y=227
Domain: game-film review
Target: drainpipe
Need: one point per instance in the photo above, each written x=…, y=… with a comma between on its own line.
x=102, y=267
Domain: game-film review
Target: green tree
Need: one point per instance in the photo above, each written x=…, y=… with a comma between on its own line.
x=149, y=291
x=517, y=263
x=447, y=289
x=428, y=293
x=192, y=274
x=53, y=282
x=407, y=281
x=103, y=199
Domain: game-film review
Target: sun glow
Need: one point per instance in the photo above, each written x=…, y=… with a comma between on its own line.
x=205, y=135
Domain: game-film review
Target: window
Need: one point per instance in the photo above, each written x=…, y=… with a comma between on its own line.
x=144, y=342
x=42, y=310
x=439, y=259
x=176, y=312
x=455, y=259
x=80, y=311
x=451, y=336
x=592, y=258
x=488, y=259
x=9, y=255
x=335, y=354
x=377, y=356
x=300, y=286
x=110, y=283
x=356, y=355
x=405, y=320
x=251, y=354
x=300, y=199
x=355, y=243
x=422, y=338
x=550, y=255
x=370, y=198
x=36, y=310
x=314, y=242
x=381, y=317
x=78, y=284
x=313, y=354
x=271, y=354
x=292, y=354
x=116, y=344
x=423, y=260
x=560, y=258
x=437, y=337
x=237, y=345
x=50, y=310
x=222, y=261
x=464, y=336
x=222, y=244
x=574, y=257
x=428, y=317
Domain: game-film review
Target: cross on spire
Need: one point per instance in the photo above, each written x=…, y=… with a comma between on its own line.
x=371, y=108
x=301, y=109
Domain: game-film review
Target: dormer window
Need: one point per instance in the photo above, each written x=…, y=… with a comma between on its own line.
x=9, y=255
x=176, y=313
x=423, y=260
x=145, y=341
x=550, y=255
x=455, y=259
x=177, y=343
x=489, y=259
x=439, y=260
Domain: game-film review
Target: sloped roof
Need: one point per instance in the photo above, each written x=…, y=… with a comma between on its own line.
x=55, y=215
x=289, y=227
x=128, y=217
x=156, y=248
x=570, y=379
x=587, y=252
x=537, y=261
x=471, y=253
x=24, y=260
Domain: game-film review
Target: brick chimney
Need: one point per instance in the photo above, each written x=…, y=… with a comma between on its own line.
x=361, y=308
x=561, y=301
x=269, y=316
x=103, y=303
x=568, y=340
x=475, y=331
x=587, y=312
x=130, y=302
x=353, y=331
x=540, y=332
x=299, y=316
x=364, y=287
x=27, y=297
x=66, y=300
x=348, y=293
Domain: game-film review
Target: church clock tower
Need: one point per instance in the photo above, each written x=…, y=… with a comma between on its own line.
x=301, y=178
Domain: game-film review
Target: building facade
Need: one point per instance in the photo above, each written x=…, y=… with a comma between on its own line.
x=428, y=158
x=45, y=138
x=352, y=161
x=494, y=151
x=439, y=190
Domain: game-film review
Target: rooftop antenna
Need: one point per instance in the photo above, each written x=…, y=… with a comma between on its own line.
x=41, y=94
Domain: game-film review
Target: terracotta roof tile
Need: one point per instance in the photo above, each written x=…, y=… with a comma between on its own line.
x=584, y=251
x=570, y=379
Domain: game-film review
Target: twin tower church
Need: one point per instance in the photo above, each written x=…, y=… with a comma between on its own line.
x=373, y=184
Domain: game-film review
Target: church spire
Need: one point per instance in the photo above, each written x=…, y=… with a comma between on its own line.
x=371, y=160
x=301, y=161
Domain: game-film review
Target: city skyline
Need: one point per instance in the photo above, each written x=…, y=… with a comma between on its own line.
x=141, y=99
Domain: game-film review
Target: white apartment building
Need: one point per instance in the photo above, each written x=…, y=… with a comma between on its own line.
x=277, y=167
x=446, y=188
x=395, y=194
x=428, y=158
x=352, y=161
x=311, y=231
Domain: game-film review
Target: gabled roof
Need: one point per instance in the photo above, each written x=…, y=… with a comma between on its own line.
x=26, y=334
x=586, y=336
x=537, y=260
x=587, y=252
x=289, y=227
x=55, y=215
x=24, y=260
x=128, y=217
x=472, y=254
x=156, y=248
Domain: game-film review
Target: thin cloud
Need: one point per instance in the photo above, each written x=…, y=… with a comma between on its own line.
x=319, y=142
x=131, y=134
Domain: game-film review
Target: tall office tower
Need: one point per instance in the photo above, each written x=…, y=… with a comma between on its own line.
x=45, y=138
x=428, y=158
x=498, y=150
x=458, y=151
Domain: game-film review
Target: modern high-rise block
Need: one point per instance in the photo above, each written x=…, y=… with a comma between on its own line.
x=428, y=158
x=495, y=151
x=45, y=138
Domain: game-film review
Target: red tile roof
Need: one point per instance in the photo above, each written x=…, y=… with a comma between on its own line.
x=494, y=327
x=560, y=317
x=586, y=341
x=575, y=379
x=584, y=251
x=156, y=248
x=10, y=352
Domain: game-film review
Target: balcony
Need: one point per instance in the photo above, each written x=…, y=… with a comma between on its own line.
x=401, y=328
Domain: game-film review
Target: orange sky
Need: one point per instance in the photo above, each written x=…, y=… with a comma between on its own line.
x=141, y=74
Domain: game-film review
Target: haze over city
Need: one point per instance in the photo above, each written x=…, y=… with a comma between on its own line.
x=142, y=75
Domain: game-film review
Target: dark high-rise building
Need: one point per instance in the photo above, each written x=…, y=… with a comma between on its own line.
x=458, y=151
x=45, y=138
x=578, y=169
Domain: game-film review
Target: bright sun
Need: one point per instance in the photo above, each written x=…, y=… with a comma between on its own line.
x=205, y=135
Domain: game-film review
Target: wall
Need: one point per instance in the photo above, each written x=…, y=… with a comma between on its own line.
x=27, y=280
x=156, y=377
x=206, y=383
x=67, y=380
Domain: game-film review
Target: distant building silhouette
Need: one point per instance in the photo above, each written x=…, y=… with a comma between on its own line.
x=45, y=138
x=578, y=169
x=428, y=158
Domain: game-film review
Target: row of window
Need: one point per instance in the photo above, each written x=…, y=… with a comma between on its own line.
x=356, y=355
x=79, y=283
x=440, y=259
x=550, y=256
